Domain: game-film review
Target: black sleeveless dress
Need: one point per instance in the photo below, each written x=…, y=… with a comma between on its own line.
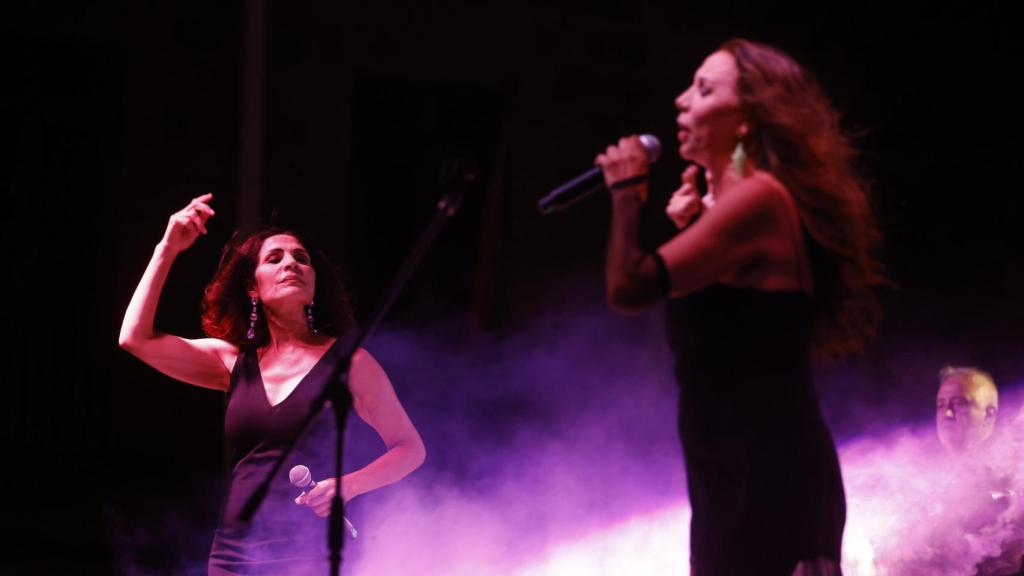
x=282, y=538
x=761, y=465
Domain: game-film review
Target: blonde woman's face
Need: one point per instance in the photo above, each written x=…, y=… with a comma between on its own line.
x=710, y=116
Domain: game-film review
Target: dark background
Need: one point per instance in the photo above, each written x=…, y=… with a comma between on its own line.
x=112, y=116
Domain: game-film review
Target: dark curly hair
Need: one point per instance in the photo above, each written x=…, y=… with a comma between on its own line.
x=795, y=135
x=226, y=304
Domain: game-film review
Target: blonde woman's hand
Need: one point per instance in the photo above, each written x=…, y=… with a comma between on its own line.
x=623, y=161
x=685, y=203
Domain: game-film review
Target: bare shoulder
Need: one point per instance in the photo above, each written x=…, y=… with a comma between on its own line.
x=738, y=234
x=363, y=360
x=366, y=371
x=775, y=201
x=760, y=202
x=748, y=208
x=760, y=190
x=779, y=262
x=770, y=188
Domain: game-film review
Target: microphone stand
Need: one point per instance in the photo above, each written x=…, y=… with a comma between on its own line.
x=337, y=386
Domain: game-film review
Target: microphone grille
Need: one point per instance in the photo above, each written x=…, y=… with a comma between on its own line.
x=300, y=476
x=652, y=145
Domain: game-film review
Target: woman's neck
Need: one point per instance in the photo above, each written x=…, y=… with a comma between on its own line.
x=288, y=328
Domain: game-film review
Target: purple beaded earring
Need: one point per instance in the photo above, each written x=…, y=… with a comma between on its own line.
x=253, y=316
x=309, y=319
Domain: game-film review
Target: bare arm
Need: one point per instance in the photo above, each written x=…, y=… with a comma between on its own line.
x=737, y=231
x=202, y=362
x=631, y=275
x=745, y=225
x=375, y=402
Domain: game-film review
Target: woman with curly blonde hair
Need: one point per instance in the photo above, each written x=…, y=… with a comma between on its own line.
x=774, y=260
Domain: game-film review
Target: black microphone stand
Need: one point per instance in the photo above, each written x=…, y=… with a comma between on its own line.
x=335, y=391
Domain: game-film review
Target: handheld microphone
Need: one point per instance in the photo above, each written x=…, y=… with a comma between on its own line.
x=301, y=478
x=590, y=181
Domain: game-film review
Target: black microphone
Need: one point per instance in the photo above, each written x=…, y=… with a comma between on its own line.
x=590, y=181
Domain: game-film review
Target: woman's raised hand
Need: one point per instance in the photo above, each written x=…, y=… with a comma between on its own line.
x=623, y=161
x=187, y=224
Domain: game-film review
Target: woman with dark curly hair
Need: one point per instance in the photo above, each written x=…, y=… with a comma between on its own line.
x=773, y=260
x=275, y=313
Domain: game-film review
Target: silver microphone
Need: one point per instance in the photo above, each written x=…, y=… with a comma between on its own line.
x=301, y=478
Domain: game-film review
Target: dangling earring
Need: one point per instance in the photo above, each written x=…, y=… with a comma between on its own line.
x=739, y=158
x=253, y=316
x=309, y=319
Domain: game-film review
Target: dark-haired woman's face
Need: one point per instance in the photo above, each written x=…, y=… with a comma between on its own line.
x=284, y=272
x=710, y=114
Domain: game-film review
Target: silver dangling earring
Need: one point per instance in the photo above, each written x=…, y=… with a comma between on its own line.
x=739, y=158
x=253, y=316
x=309, y=319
